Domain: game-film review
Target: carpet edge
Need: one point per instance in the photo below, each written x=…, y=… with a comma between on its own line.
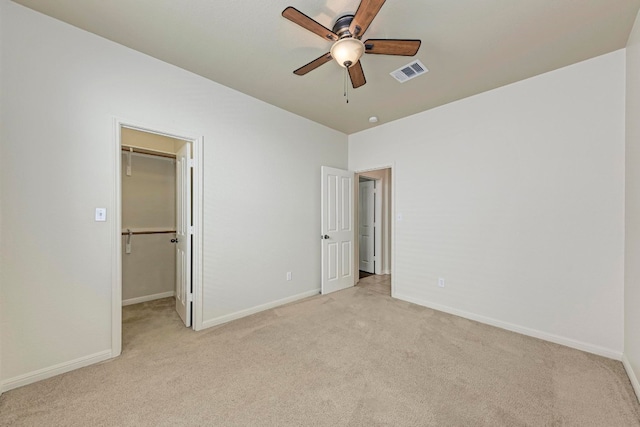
x=632, y=375
x=535, y=333
x=256, y=309
x=52, y=371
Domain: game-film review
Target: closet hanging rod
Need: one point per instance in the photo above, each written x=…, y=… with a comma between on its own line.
x=148, y=151
x=125, y=233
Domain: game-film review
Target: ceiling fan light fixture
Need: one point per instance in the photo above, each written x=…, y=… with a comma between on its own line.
x=347, y=51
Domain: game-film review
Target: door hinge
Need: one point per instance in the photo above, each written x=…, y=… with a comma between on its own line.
x=189, y=297
x=190, y=229
x=191, y=163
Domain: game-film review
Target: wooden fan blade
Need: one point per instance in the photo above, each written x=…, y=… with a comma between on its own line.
x=367, y=10
x=392, y=47
x=294, y=15
x=357, y=75
x=313, y=64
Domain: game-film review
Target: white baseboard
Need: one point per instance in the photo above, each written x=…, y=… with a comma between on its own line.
x=52, y=371
x=249, y=311
x=632, y=376
x=146, y=298
x=569, y=342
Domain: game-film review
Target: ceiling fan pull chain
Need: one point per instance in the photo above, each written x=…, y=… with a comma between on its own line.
x=346, y=86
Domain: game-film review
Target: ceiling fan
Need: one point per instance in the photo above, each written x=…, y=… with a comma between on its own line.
x=346, y=34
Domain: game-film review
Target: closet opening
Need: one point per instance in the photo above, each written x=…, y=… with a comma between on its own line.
x=159, y=247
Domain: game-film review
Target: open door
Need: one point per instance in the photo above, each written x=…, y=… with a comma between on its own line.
x=184, y=295
x=337, y=231
x=366, y=232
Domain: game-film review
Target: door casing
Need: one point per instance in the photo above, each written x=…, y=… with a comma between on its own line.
x=196, y=142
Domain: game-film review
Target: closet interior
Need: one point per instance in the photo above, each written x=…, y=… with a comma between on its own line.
x=148, y=177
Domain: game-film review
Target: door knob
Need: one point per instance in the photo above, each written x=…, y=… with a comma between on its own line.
x=326, y=236
x=174, y=240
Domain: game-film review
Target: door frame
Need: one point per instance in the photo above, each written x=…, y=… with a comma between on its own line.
x=377, y=229
x=196, y=142
x=377, y=209
x=391, y=220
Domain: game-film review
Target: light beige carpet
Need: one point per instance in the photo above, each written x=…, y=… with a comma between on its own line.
x=380, y=283
x=352, y=358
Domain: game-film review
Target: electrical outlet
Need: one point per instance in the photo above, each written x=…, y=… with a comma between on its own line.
x=441, y=282
x=288, y=275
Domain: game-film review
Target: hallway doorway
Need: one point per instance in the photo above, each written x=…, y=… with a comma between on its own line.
x=374, y=227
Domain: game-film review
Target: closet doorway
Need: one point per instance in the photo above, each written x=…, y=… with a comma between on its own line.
x=158, y=201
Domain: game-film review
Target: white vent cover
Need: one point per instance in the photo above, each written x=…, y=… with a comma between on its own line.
x=409, y=71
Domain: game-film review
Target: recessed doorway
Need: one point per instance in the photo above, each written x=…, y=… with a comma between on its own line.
x=374, y=230
x=157, y=254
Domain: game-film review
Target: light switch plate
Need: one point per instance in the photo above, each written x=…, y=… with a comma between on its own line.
x=101, y=214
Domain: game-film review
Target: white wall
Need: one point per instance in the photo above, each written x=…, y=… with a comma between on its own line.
x=632, y=214
x=64, y=87
x=516, y=197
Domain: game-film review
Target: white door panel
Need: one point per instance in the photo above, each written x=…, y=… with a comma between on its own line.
x=337, y=229
x=183, y=234
x=366, y=226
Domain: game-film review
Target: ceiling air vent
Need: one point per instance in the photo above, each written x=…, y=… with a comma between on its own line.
x=409, y=71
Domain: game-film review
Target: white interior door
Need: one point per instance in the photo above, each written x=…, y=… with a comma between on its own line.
x=366, y=232
x=183, y=234
x=337, y=231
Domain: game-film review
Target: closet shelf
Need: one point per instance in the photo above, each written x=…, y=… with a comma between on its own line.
x=148, y=151
x=135, y=232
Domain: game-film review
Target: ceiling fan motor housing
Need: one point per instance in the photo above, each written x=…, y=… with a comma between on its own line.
x=347, y=48
x=341, y=27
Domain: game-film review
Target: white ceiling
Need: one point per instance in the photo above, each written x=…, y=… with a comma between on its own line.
x=469, y=46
